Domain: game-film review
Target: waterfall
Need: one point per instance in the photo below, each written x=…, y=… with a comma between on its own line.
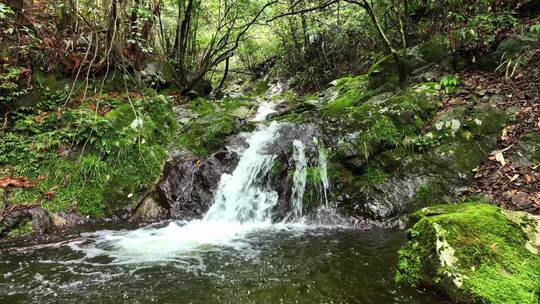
x=323, y=172
x=265, y=109
x=299, y=178
x=243, y=205
x=244, y=196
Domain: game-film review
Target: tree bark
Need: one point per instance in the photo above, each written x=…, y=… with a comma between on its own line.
x=225, y=73
x=402, y=70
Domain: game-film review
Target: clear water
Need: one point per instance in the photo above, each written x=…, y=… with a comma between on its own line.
x=270, y=265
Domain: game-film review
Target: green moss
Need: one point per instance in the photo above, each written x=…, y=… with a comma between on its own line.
x=201, y=106
x=207, y=133
x=340, y=105
x=430, y=194
x=230, y=104
x=348, y=92
x=383, y=74
x=24, y=228
x=95, y=164
x=389, y=121
x=473, y=253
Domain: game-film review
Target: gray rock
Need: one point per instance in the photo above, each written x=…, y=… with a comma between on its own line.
x=150, y=210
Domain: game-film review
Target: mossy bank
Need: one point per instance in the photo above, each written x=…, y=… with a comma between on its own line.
x=474, y=253
x=94, y=157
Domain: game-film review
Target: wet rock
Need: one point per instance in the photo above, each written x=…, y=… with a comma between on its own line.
x=386, y=181
x=188, y=183
x=15, y=219
x=150, y=210
x=44, y=221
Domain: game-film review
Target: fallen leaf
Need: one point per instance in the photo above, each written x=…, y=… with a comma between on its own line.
x=493, y=247
x=16, y=182
x=49, y=195
x=504, y=135
x=500, y=158
x=513, y=178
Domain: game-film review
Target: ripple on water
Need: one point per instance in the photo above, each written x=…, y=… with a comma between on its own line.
x=274, y=264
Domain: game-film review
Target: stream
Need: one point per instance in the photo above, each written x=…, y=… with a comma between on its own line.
x=235, y=253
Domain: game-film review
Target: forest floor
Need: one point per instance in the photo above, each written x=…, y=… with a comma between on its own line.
x=504, y=177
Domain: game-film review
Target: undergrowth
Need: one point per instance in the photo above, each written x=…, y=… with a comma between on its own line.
x=93, y=158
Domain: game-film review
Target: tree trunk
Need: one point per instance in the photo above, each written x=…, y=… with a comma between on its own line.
x=402, y=69
x=112, y=22
x=225, y=73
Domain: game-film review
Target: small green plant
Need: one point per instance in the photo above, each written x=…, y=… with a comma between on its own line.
x=535, y=29
x=5, y=11
x=10, y=89
x=449, y=83
x=513, y=60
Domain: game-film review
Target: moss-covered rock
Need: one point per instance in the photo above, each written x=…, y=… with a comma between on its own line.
x=472, y=253
x=530, y=147
x=95, y=158
x=209, y=123
x=400, y=156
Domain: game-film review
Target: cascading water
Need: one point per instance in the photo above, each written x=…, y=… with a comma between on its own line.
x=242, y=197
x=234, y=254
x=323, y=173
x=243, y=203
x=299, y=179
x=267, y=103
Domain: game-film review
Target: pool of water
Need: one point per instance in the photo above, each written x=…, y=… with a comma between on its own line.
x=285, y=265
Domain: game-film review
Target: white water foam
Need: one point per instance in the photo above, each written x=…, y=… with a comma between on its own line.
x=242, y=206
x=323, y=173
x=299, y=179
x=241, y=197
x=267, y=104
x=265, y=109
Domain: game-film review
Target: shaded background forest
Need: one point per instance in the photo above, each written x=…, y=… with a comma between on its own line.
x=198, y=45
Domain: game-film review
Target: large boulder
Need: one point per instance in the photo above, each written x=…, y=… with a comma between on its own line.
x=474, y=253
x=392, y=155
x=189, y=182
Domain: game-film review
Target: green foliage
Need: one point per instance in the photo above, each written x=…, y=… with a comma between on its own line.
x=481, y=28
x=312, y=52
x=450, y=83
x=373, y=176
x=93, y=163
x=5, y=11
x=476, y=245
x=518, y=52
x=10, y=89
